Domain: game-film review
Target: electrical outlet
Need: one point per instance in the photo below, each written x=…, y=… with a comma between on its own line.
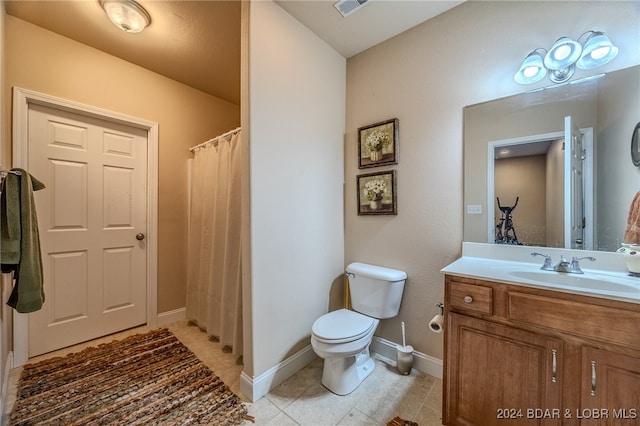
x=474, y=209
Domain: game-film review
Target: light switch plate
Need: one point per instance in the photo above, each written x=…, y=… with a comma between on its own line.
x=474, y=209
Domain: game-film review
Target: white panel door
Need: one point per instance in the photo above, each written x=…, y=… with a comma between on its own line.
x=574, y=186
x=92, y=218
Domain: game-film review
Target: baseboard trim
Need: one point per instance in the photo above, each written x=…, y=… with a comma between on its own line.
x=421, y=362
x=255, y=388
x=168, y=317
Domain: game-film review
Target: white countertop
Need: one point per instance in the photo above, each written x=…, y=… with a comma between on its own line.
x=515, y=265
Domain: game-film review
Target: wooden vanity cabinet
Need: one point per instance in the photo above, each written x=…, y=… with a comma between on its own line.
x=611, y=380
x=517, y=355
x=499, y=371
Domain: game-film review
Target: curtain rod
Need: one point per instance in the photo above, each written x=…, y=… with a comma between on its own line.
x=214, y=140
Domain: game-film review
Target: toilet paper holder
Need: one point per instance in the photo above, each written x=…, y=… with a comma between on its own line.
x=437, y=322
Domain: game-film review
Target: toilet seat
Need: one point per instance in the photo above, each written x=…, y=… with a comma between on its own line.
x=342, y=326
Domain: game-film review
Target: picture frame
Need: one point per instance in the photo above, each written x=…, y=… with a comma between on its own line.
x=377, y=193
x=635, y=145
x=378, y=144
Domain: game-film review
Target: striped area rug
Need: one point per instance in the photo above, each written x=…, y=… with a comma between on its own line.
x=145, y=379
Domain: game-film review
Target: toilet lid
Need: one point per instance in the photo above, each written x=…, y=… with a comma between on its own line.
x=343, y=325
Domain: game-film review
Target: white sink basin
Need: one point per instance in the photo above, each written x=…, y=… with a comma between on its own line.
x=590, y=281
x=604, y=283
x=606, y=277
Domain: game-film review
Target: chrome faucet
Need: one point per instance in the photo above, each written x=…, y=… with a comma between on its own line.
x=548, y=266
x=563, y=265
x=574, y=268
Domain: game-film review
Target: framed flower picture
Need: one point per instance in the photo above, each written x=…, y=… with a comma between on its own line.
x=377, y=193
x=378, y=144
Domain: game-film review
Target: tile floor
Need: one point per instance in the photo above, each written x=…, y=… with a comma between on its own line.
x=302, y=400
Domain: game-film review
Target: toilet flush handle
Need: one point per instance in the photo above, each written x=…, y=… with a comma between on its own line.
x=350, y=274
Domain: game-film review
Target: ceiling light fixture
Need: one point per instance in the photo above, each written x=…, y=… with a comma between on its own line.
x=127, y=15
x=592, y=50
x=347, y=7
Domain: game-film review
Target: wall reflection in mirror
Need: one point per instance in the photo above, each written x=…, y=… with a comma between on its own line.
x=563, y=153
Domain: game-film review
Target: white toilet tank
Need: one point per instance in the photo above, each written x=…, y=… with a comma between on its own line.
x=376, y=291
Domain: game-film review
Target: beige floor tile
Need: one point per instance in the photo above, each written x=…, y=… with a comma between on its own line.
x=263, y=411
x=302, y=400
x=283, y=420
x=292, y=388
x=434, y=397
x=318, y=407
x=356, y=417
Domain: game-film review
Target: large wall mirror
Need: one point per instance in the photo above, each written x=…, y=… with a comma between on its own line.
x=553, y=167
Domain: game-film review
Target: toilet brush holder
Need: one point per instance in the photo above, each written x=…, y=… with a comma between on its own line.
x=404, y=358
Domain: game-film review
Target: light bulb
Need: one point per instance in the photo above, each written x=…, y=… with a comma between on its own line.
x=601, y=52
x=530, y=71
x=561, y=52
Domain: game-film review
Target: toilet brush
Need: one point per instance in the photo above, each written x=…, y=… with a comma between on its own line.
x=404, y=354
x=404, y=342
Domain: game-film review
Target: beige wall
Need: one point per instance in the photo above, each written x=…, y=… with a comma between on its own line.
x=39, y=60
x=555, y=194
x=619, y=179
x=425, y=77
x=296, y=86
x=523, y=177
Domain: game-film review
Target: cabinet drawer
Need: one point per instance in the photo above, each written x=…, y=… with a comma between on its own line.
x=470, y=297
x=582, y=319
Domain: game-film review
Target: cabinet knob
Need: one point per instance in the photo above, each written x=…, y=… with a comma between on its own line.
x=468, y=299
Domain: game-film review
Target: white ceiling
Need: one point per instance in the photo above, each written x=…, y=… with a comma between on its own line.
x=522, y=149
x=198, y=42
x=372, y=23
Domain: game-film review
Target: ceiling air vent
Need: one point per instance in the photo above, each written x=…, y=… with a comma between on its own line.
x=347, y=7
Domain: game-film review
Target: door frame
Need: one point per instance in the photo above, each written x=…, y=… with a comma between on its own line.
x=22, y=98
x=589, y=211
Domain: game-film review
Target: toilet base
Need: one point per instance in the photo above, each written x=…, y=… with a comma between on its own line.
x=342, y=375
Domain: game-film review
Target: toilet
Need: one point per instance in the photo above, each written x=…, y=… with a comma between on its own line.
x=342, y=337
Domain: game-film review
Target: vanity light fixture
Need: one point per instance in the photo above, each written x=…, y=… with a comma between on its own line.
x=592, y=50
x=597, y=50
x=532, y=69
x=127, y=15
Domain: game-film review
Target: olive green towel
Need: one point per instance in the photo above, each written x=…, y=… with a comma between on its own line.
x=20, y=240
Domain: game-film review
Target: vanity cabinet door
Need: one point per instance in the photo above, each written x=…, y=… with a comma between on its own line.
x=610, y=388
x=498, y=375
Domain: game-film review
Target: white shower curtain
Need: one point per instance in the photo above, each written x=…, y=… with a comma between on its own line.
x=214, y=279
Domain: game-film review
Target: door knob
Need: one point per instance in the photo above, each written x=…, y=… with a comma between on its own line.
x=140, y=236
